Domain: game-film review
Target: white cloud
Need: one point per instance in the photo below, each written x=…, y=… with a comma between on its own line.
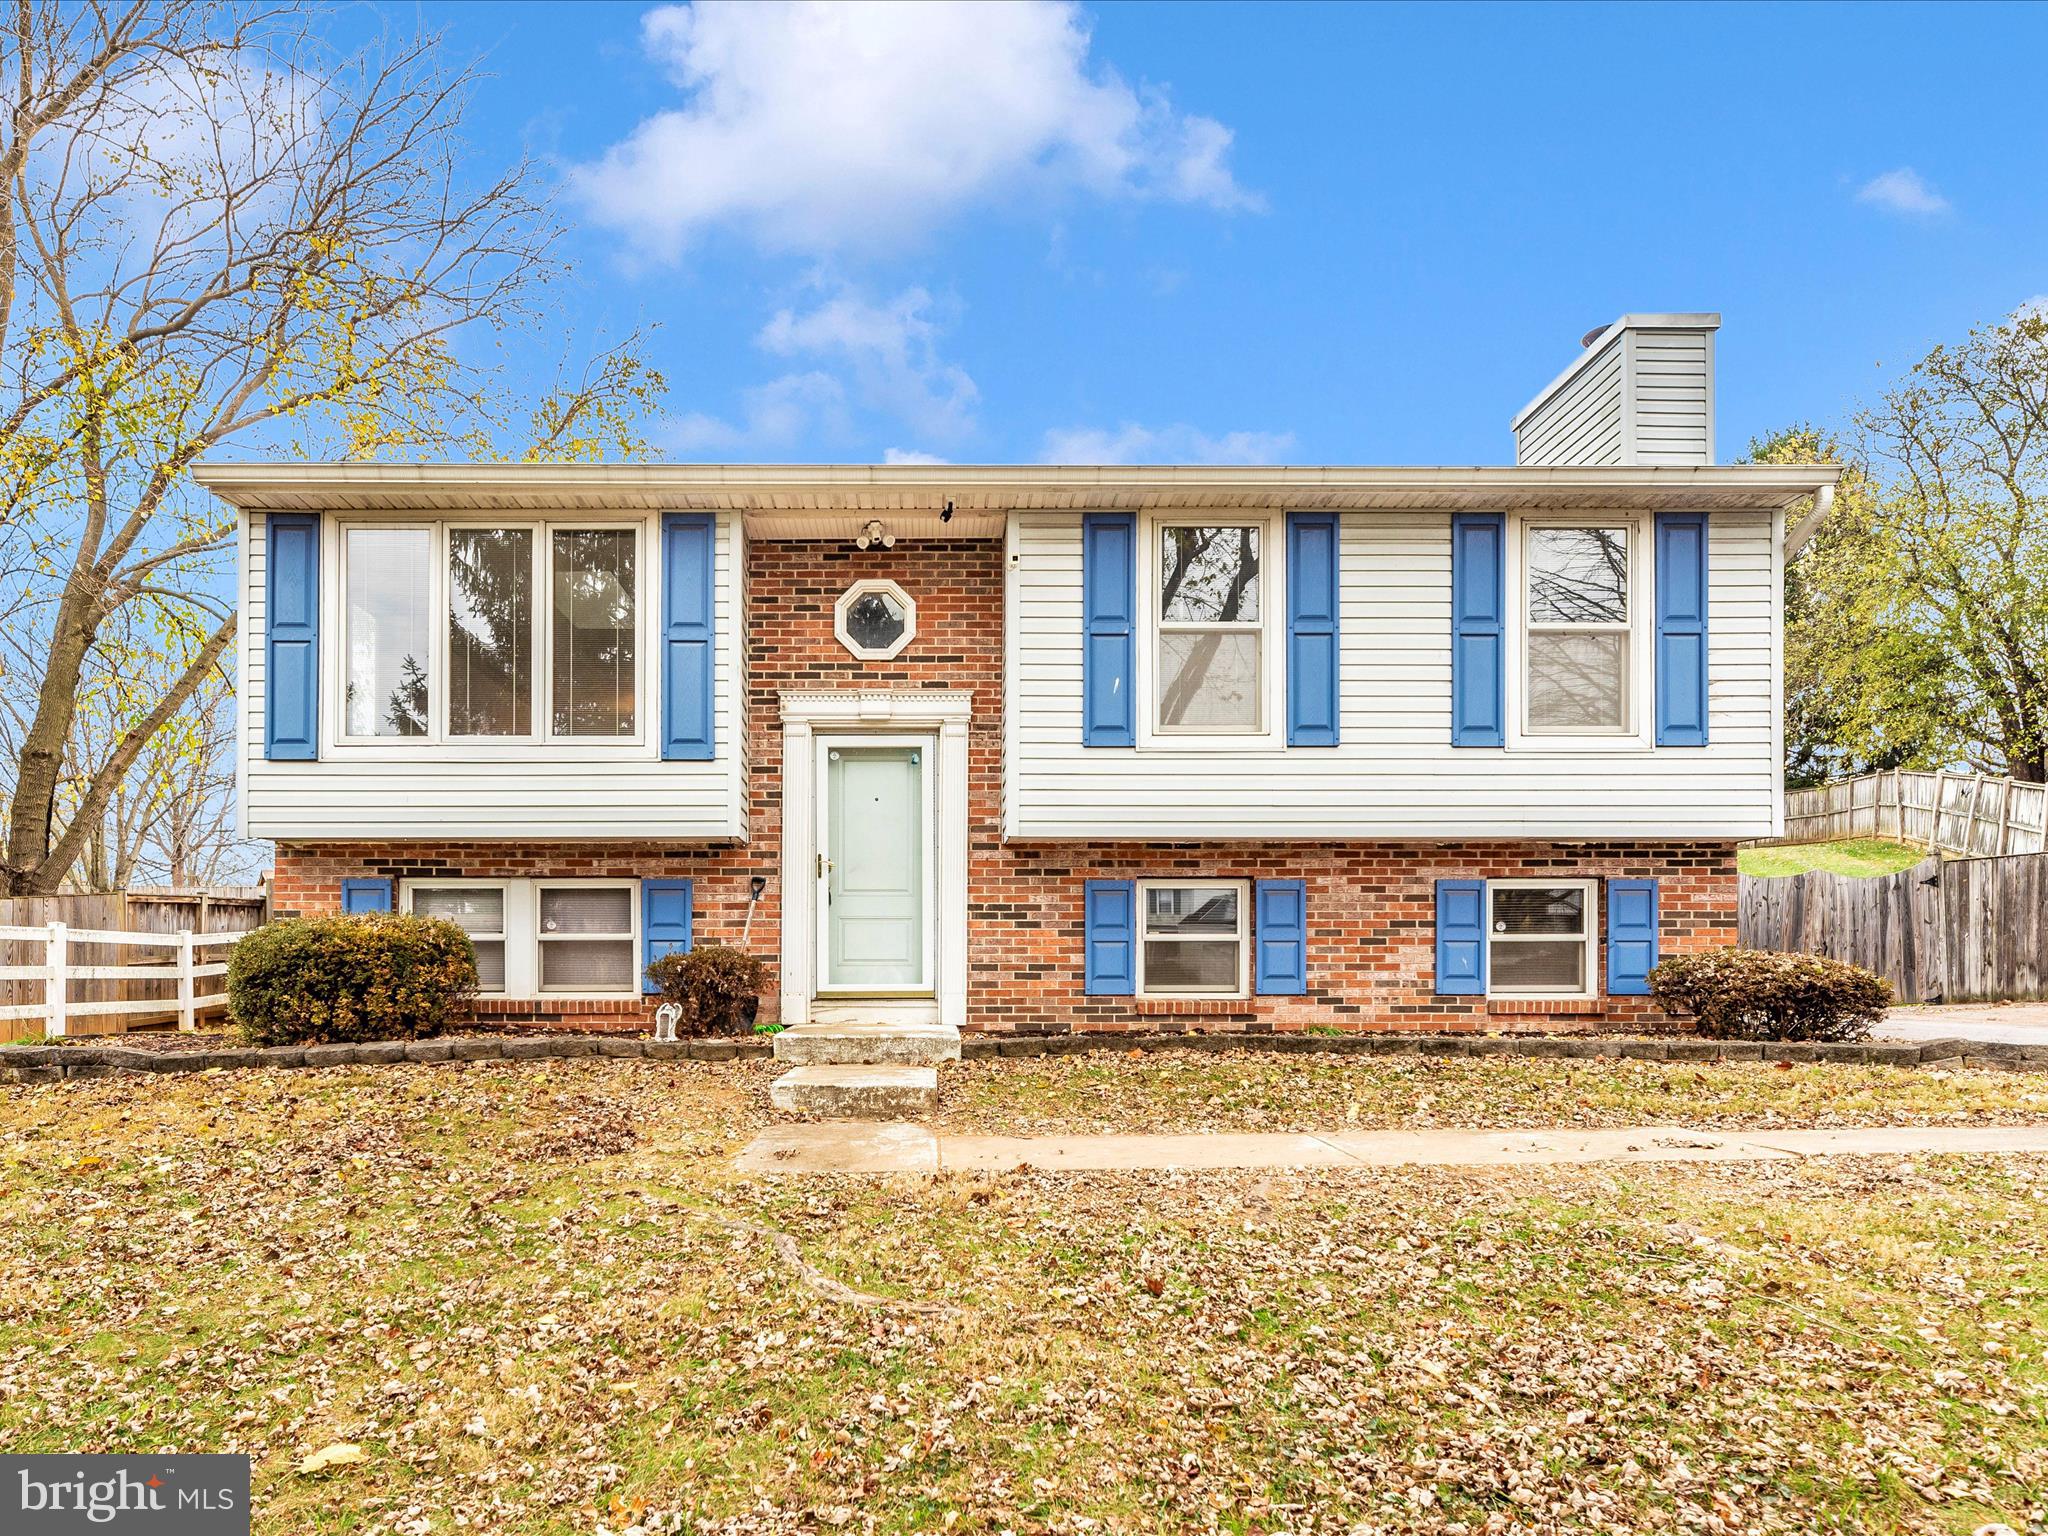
x=1131, y=443
x=1904, y=190
x=911, y=456
x=853, y=355
x=891, y=351
x=816, y=126
x=772, y=415
x=2035, y=308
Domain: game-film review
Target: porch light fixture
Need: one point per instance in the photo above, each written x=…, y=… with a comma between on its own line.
x=874, y=534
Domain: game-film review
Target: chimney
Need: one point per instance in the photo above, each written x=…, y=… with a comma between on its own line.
x=1640, y=392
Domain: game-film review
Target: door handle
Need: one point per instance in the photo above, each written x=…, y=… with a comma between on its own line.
x=824, y=866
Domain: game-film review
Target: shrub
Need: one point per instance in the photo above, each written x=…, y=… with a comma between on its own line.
x=1754, y=994
x=380, y=976
x=717, y=987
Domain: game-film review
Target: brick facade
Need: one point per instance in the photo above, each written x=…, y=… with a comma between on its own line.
x=1370, y=905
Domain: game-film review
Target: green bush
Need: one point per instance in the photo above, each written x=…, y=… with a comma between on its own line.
x=380, y=976
x=717, y=987
x=1755, y=994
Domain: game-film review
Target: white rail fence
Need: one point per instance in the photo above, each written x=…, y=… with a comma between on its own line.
x=58, y=1008
x=1958, y=813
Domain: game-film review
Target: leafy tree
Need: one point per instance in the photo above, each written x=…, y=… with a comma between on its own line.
x=217, y=227
x=1860, y=693
x=1917, y=617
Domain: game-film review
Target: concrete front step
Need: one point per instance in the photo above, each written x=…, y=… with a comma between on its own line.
x=851, y=1091
x=905, y=1045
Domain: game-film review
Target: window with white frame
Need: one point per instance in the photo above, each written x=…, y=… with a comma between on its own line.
x=1540, y=938
x=444, y=630
x=1193, y=942
x=479, y=911
x=387, y=601
x=875, y=619
x=536, y=936
x=1579, y=604
x=1209, y=662
x=593, y=674
x=589, y=936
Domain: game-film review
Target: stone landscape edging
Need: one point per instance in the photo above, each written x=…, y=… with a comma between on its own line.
x=34, y=1063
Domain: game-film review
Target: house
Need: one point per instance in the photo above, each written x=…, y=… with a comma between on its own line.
x=1044, y=748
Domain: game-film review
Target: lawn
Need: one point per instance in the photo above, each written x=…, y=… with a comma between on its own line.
x=1859, y=856
x=537, y=1300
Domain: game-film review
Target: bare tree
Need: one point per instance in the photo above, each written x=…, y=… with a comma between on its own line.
x=216, y=227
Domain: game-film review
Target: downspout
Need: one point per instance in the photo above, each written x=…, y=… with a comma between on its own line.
x=1823, y=502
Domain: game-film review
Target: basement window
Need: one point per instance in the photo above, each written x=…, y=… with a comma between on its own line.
x=1194, y=942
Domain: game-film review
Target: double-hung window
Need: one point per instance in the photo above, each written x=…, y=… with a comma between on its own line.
x=1194, y=942
x=1211, y=600
x=479, y=911
x=460, y=632
x=589, y=936
x=1581, y=599
x=1540, y=938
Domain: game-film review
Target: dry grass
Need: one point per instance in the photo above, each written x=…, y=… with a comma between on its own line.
x=1249, y=1091
x=525, y=1292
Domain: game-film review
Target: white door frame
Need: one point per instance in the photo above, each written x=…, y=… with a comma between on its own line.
x=926, y=743
x=806, y=717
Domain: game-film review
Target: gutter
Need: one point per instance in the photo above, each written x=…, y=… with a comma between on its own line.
x=1807, y=526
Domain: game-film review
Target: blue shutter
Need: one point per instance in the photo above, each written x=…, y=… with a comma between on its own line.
x=1681, y=629
x=1478, y=597
x=1631, y=936
x=365, y=896
x=1460, y=937
x=687, y=652
x=1312, y=629
x=1109, y=550
x=1280, y=908
x=1110, y=915
x=291, y=638
x=667, y=910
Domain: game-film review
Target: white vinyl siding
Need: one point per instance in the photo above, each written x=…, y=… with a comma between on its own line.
x=480, y=789
x=1672, y=373
x=1645, y=395
x=1395, y=775
x=1581, y=423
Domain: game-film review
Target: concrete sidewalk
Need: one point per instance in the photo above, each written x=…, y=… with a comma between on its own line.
x=2000, y=1023
x=843, y=1146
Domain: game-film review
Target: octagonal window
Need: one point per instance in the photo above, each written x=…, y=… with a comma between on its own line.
x=875, y=619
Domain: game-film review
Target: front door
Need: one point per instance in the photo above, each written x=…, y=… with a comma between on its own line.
x=874, y=867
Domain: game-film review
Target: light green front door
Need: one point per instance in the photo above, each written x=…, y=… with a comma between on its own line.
x=875, y=868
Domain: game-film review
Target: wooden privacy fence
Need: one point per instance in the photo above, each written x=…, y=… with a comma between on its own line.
x=1943, y=931
x=1958, y=813
x=103, y=963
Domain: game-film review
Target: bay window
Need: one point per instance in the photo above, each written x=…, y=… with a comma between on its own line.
x=490, y=632
x=1211, y=603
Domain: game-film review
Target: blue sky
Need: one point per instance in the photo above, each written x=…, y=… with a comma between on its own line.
x=1311, y=234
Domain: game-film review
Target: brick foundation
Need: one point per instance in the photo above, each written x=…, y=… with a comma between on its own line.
x=1370, y=905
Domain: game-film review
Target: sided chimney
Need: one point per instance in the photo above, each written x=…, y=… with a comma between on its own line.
x=1641, y=392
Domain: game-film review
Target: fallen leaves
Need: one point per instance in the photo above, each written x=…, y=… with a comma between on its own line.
x=534, y=1300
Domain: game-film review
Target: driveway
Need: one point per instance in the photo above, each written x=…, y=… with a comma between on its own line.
x=2010, y=1023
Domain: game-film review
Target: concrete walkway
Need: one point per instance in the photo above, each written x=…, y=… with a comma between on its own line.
x=2000, y=1023
x=896, y=1147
